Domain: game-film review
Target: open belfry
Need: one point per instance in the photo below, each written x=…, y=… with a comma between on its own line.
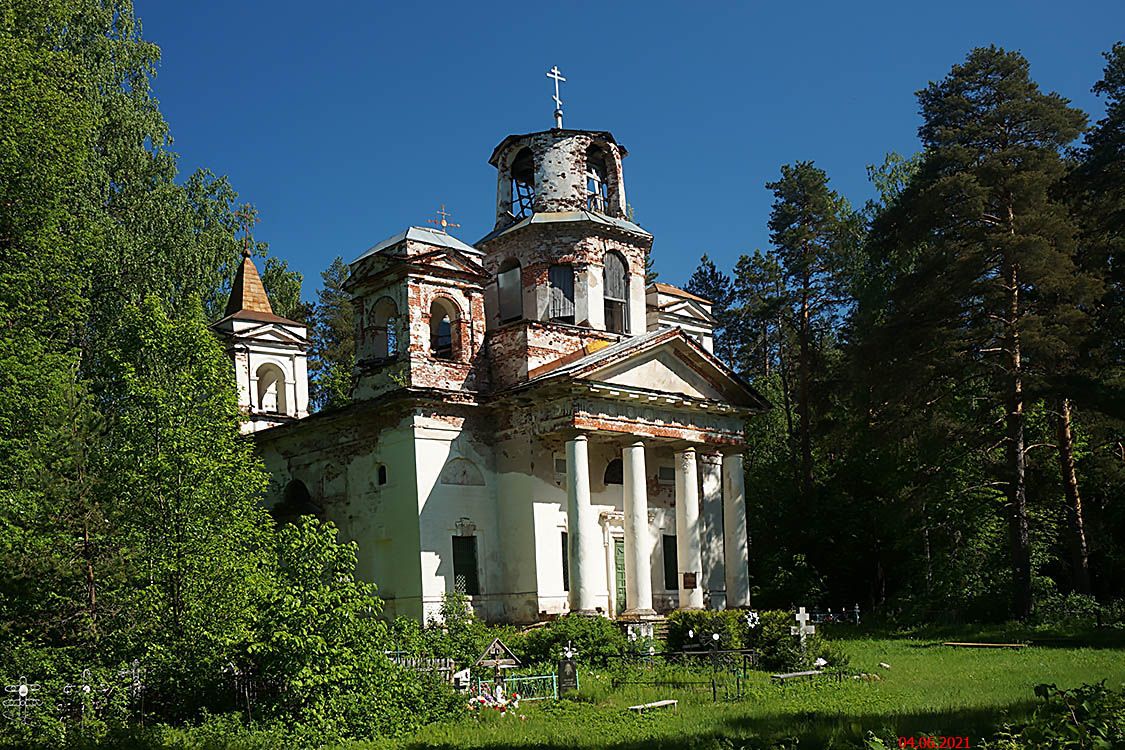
x=531, y=425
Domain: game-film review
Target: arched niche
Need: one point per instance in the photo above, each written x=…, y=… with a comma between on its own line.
x=461, y=471
x=273, y=393
x=295, y=503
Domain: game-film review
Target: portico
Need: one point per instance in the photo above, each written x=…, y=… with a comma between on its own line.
x=693, y=535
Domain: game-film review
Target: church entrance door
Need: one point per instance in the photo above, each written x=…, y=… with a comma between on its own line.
x=619, y=570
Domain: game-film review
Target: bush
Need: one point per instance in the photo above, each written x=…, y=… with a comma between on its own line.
x=596, y=639
x=1090, y=716
x=1053, y=608
x=730, y=624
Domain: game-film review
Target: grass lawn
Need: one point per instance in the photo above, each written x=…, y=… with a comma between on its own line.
x=929, y=689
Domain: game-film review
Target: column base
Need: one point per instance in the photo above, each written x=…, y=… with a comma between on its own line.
x=585, y=612
x=639, y=615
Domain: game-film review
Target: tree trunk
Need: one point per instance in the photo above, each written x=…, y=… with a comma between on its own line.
x=787, y=401
x=1017, y=481
x=1078, y=553
x=803, y=397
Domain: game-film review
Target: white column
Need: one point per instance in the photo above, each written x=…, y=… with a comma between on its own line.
x=734, y=532
x=714, y=577
x=638, y=540
x=581, y=527
x=689, y=562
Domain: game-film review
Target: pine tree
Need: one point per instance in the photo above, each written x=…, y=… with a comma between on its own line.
x=713, y=285
x=332, y=357
x=993, y=297
x=810, y=226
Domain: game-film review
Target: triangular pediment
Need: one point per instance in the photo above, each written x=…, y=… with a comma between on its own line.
x=272, y=332
x=674, y=365
x=687, y=308
x=450, y=260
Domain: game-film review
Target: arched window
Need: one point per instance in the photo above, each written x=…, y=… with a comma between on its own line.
x=381, y=475
x=443, y=329
x=272, y=393
x=597, y=180
x=509, y=289
x=616, y=293
x=561, y=279
x=615, y=472
x=523, y=183
x=383, y=328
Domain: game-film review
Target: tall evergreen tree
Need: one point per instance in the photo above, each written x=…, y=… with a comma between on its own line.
x=332, y=356
x=713, y=285
x=995, y=296
x=809, y=226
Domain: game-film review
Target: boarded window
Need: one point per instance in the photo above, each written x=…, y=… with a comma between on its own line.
x=510, y=293
x=465, y=579
x=566, y=563
x=671, y=580
x=561, y=279
x=616, y=294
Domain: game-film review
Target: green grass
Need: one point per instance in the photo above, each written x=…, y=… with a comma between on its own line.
x=929, y=689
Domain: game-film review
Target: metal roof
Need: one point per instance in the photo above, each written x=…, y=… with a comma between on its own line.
x=552, y=217
x=421, y=234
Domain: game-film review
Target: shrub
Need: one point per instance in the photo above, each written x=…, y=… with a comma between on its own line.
x=596, y=639
x=730, y=624
x=1090, y=716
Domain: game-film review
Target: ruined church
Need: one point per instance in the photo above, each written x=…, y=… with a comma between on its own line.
x=531, y=424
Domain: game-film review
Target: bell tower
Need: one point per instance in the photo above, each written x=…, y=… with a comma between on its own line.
x=567, y=265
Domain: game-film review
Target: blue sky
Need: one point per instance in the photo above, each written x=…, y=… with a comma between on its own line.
x=345, y=122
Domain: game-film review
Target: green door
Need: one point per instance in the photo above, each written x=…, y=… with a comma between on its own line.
x=619, y=567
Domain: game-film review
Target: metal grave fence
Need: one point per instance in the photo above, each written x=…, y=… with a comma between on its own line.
x=531, y=688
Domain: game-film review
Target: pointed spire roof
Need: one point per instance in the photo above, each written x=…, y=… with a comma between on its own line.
x=247, y=293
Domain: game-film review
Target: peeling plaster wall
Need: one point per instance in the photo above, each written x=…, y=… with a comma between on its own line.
x=560, y=172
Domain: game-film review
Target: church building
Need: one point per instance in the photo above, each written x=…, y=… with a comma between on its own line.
x=531, y=424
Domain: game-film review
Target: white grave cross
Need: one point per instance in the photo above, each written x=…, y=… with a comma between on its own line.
x=802, y=628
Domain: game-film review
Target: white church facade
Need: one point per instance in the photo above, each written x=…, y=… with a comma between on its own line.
x=531, y=423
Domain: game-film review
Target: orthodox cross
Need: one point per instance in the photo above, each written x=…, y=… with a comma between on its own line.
x=247, y=218
x=570, y=652
x=802, y=628
x=22, y=700
x=442, y=222
x=554, y=73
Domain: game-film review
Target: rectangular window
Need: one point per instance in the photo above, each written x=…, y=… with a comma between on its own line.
x=560, y=465
x=615, y=316
x=666, y=475
x=561, y=279
x=566, y=563
x=671, y=580
x=510, y=293
x=465, y=580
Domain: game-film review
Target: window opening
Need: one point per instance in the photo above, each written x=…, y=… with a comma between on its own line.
x=566, y=562
x=666, y=475
x=510, y=292
x=616, y=294
x=597, y=184
x=465, y=580
x=561, y=280
x=615, y=472
x=382, y=474
x=523, y=184
x=671, y=580
x=443, y=316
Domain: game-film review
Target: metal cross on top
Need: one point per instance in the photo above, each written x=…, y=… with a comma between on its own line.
x=442, y=221
x=557, y=76
x=802, y=628
x=247, y=218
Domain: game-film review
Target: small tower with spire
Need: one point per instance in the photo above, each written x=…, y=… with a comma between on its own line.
x=270, y=353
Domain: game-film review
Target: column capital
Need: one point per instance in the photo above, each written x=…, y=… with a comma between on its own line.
x=713, y=458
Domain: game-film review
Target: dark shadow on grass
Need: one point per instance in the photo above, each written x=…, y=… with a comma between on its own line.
x=809, y=728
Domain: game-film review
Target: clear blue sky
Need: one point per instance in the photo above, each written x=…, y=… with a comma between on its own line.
x=346, y=121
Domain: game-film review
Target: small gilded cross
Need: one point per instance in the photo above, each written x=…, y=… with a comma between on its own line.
x=442, y=222
x=247, y=218
x=554, y=73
